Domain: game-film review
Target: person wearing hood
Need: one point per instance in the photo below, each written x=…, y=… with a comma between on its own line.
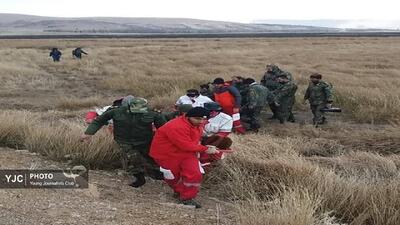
x=257, y=96
x=175, y=148
x=133, y=132
x=270, y=81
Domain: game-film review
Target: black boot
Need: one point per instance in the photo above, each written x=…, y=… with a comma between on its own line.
x=138, y=181
x=156, y=175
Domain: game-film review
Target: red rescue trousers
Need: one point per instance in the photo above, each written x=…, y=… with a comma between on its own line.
x=182, y=175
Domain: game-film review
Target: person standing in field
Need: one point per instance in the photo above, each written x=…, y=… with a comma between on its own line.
x=229, y=99
x=77, y=53
x=283, y=98
x=175, y=148
x=270, y=81
x=55, y=54
x=319, y=95
x=133, y=132
x=256, y=97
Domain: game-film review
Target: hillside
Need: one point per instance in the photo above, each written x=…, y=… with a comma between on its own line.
x=26, y=24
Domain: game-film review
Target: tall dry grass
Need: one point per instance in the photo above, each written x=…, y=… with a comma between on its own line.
x=342, y=173
x=58, y=140
x=282, y=187
x=364, y=71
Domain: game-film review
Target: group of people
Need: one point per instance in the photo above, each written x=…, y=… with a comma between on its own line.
x=56, y=54
x=179, y=146
x=244, y=98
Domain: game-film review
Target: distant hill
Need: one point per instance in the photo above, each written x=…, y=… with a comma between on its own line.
x=27, y=24
x=366, y=25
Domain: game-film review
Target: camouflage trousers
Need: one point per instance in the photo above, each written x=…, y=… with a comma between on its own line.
x=135, y=159
x=284, y=112
x=252, y=117
x=274, y=110
x=319, y=117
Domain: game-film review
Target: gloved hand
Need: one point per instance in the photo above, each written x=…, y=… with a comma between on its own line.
x=236, y=110
x=328, y=106
x=277, y=104
x=212, y=150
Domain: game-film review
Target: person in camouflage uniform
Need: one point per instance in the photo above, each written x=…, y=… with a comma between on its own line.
x=270, y=81
x=133, y=132
x=319, y=95
x=283, y=98
x=256, y=96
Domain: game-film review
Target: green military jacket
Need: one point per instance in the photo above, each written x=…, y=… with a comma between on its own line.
x=257, y=95
x=129, y=128
x=270, y=79
x=285, y=93
x=320, y=93
x=167, y=116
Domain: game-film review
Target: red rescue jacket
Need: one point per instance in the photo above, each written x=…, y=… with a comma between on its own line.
x=177, y=139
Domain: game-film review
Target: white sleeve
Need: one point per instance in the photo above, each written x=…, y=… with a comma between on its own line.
x=179, y=101
x=226, y=125
x=211, y=128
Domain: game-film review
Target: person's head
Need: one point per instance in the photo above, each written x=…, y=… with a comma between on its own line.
x=218, y=82
x=138, y=105
x=192, y=93
x=197, y=115
x=271, y=68
x=248, y=81
x=213, y=107
x=315, y=78
x=283, y=79
x=184, y=108
x=204, y=86
x=237, y=79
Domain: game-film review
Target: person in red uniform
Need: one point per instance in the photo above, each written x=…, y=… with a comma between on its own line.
x=230, y=99
x=175, y=148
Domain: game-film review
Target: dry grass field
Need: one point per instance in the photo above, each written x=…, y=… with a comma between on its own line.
x=346, y=172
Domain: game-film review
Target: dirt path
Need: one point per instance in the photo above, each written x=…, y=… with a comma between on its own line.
x=108, y=200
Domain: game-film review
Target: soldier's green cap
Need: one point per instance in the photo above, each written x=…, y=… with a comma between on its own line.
x=184, y=108
x=138, y=105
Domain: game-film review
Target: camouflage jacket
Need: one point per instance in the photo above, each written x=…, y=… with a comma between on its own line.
x=257, y=95
x=270, y=79
x=320, y=93
x=167, y=116
x=285, y=93
x=129, y=128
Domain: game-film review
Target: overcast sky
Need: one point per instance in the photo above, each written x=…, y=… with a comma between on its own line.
x=381, y=12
